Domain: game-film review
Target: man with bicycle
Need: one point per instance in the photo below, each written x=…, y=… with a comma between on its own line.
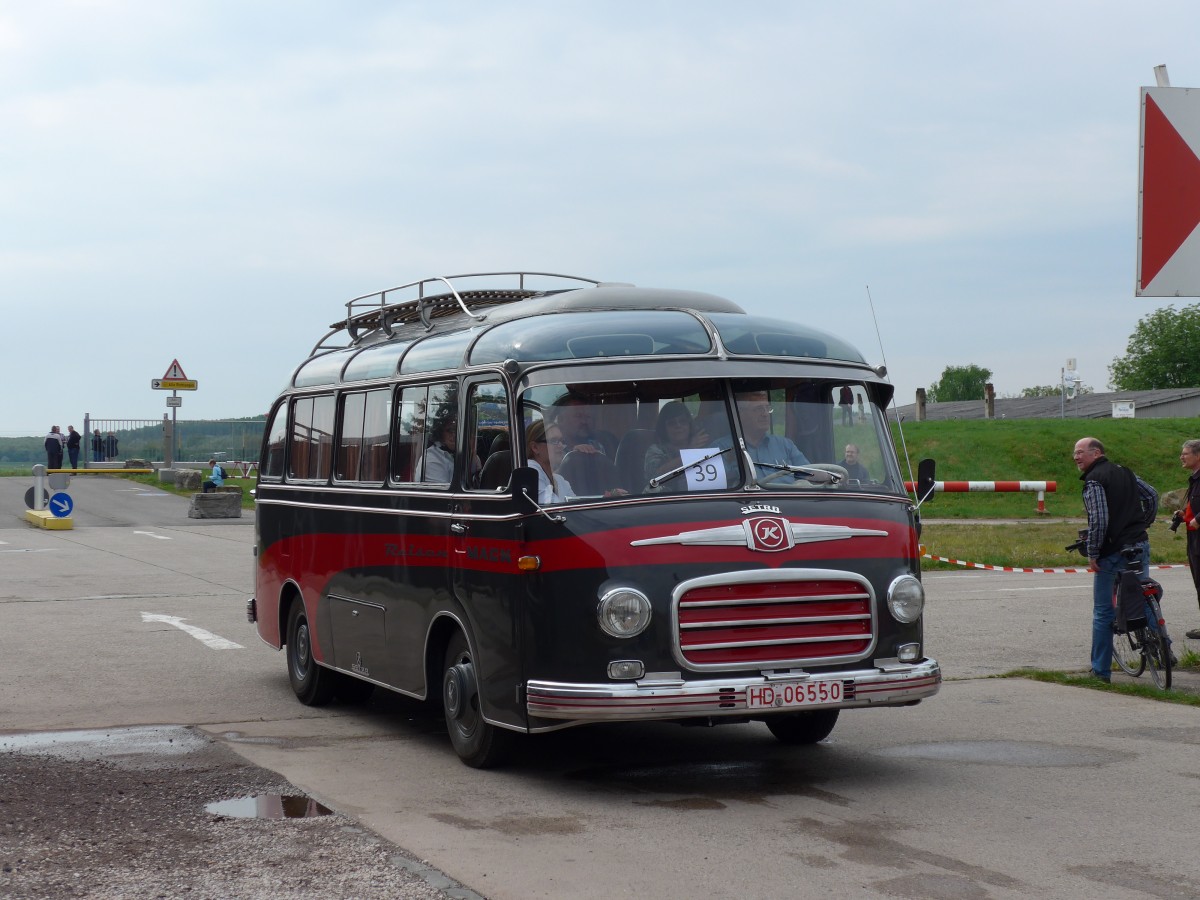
x=1119, y=506
x=1189, y=456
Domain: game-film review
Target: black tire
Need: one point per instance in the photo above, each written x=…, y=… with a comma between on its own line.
x=349, y=689
x=313, y=684
x=1158, y=659
x=478, y=743
x=805, y=727
x=1128, y=655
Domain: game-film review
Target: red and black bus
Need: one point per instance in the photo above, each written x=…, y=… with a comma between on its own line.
x=543, y=501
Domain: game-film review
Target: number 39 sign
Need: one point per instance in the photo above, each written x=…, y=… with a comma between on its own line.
x=703, y=476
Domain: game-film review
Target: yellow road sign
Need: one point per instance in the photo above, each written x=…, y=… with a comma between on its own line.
x=174, y=384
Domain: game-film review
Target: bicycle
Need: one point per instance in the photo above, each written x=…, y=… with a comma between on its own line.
x=1137, y=644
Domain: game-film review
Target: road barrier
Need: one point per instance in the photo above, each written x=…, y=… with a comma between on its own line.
x=925, y=554
x=996, y=487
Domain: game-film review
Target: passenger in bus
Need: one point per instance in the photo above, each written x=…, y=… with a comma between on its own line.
x=754, y=410
x=544, y=446
x=439, y=457
x=573, y=415
x=854, y=468
x=674, y=431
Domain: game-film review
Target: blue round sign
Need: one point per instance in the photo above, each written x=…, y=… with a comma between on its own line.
x=61, y=504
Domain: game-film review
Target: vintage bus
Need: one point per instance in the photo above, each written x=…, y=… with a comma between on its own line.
x=540, y=501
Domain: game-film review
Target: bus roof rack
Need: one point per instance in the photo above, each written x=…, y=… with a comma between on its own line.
x=378, y=314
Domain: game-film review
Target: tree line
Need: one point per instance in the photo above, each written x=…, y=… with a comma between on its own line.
x=1160, y=354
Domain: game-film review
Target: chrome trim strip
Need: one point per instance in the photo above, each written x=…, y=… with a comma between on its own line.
x=790, y=620
x=807, y=598
x=651, y=700
x=818, y=639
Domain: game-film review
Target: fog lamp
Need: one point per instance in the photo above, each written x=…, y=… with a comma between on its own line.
x=908, y=652
x=626, y=669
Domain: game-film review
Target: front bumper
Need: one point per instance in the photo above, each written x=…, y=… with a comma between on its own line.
x=887, y=684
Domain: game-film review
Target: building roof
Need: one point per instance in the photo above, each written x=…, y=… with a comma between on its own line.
x=1084, y=406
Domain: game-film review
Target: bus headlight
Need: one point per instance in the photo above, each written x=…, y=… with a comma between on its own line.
x=624, y=612
x=906, y=599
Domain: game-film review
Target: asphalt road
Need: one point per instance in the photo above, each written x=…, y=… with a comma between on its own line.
x=995, y=788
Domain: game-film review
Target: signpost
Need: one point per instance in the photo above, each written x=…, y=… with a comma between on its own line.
x=173, y=380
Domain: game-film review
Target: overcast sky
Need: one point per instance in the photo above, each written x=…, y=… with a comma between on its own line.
x=211, y=181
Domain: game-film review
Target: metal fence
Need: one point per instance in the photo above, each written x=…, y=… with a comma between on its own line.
x=194, y=440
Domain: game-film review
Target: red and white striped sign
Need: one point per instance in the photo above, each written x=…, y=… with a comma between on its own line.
x=1169, y=193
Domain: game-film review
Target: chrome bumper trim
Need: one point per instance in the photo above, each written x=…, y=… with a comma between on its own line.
x=651, y=700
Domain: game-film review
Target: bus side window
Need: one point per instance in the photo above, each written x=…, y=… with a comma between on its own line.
x=409, y=433
x=487, y=427
x=276, y=444
x=311, y=454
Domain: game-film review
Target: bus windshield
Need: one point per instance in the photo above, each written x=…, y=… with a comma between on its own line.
x=589, y=440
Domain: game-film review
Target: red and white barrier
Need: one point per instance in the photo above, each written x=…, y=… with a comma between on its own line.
x=996, y=487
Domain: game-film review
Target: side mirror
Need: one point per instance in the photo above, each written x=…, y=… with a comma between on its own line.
x=524, y=483
x=925, y=480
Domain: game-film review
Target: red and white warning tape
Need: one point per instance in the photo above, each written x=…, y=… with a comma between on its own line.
x=1067, y=571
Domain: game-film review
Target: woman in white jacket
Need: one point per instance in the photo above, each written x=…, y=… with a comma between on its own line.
x=545, y=448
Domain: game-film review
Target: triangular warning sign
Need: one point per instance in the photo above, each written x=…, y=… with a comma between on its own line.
x=1170, y=192
x=174, y=372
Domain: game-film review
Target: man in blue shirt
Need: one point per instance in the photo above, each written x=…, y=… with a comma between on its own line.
x=754, y=410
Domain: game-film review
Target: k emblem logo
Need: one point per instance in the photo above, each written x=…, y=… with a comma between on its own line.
x=768, y=534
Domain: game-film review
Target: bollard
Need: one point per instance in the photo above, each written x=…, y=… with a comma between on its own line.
x=39, y=487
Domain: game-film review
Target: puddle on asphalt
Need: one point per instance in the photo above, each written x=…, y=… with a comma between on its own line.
x=1004, y=753
x=270, y=806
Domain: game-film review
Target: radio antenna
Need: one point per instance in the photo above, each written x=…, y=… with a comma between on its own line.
x=899, y=424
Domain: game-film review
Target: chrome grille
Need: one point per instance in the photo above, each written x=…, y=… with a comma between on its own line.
x=785, y=622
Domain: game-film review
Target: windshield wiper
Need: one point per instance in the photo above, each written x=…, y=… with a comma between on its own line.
x=816, y=476
x=659, y=480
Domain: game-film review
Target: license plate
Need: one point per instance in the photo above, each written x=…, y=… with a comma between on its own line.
x=791, y=694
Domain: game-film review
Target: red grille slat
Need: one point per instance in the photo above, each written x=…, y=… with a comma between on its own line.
x=767, y=590
x=694, y=616
x=775, y=622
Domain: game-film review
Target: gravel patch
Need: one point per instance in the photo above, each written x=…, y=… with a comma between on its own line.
x=116, y=818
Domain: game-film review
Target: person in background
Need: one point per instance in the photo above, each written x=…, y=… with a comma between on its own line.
x=1189, y=457
x=54, y=448
x=1115, y=500
x=216, y=479
x=73, y=440
x=110, y=446
x=97, y=446
x=675, y=430
x=846, y=403
x=545, y=447
x=854, y=468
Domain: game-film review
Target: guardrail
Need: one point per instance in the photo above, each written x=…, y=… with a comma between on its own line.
x=998, y=487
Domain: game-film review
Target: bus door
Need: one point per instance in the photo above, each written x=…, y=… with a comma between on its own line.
x=485, y=544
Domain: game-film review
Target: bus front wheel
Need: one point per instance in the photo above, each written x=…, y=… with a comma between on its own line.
x=478, y=743
x=312, y=684
x=805, y=727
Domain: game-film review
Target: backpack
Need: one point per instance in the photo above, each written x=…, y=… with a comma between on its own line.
x=1149, y=505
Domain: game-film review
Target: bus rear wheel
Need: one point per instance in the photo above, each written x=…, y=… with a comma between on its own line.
x=312, y=684
x=805, y=727
x=478, y=743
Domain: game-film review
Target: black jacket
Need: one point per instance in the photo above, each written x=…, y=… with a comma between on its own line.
x=1126, y=519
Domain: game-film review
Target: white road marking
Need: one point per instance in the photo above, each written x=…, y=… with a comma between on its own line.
x=160, y=537
x=29, y=550
x=216, y=642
